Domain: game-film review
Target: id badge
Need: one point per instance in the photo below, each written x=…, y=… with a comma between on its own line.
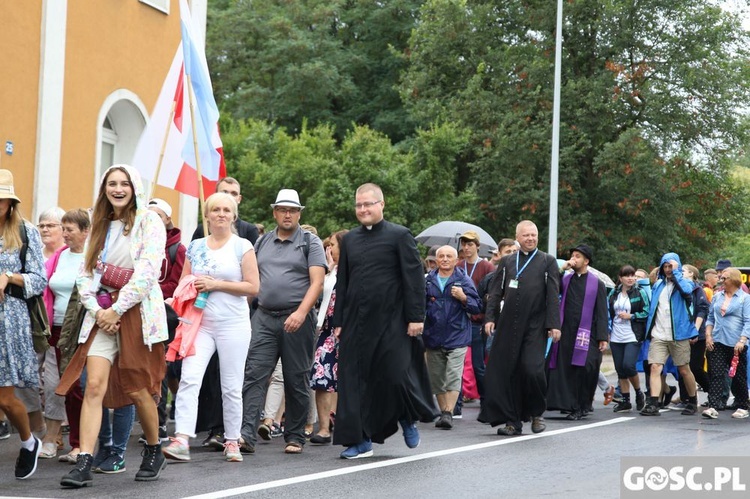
x=513, y=283
x=96, y=281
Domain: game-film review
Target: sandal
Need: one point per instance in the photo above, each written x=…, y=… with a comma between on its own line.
x=71, y=457
x=49, y=450
x=293, y=448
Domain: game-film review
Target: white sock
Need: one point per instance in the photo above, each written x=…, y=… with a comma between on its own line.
x=29, y=444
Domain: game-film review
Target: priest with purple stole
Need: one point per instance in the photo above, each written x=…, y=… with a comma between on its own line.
x=573, y=363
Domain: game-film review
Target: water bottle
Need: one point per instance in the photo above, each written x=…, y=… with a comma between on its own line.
x=200, y=300
x=733, y=367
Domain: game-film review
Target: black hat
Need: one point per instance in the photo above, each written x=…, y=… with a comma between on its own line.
x=723, y=264
x=585, y=250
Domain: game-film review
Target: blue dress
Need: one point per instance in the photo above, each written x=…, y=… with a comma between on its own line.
x=18, y=364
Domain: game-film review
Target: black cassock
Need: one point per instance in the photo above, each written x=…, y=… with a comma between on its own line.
x=515, y=383
x=382, y=376
x=571, y=388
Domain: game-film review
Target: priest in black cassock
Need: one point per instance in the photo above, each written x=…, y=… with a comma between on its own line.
x=524, y=308
x=573, y=364
x=378, y=318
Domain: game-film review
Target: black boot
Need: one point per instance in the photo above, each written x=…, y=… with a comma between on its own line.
x=152, y=464
x=80, y=476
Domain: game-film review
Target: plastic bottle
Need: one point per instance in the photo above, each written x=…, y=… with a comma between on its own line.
x=733, y=367
x=200, y=300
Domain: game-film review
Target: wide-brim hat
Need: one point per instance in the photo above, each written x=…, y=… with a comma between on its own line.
x=288, y=197
x=6, y=186
x=585, y=250
x=723, y=264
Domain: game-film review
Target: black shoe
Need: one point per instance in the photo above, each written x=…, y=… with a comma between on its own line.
x=457, y=414
x=445, y=421
x=689, y=409
x=650, y=410
x=80, y=476
x=245, y=447
x=574, y=416
x=667, y=397
x=538, y=425
x=640, y=401
x=216, y=442
x=623, y=407
x=152, y=464
x=4, y=430
x=320, y=440
x=27, y=459
x=509, y=430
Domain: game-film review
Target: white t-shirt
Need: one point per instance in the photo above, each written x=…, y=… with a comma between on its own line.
x=622, y=330
x=662, y=329
x=222, y=309
x=62, y=281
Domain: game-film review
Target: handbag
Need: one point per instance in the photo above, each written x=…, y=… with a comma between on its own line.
x=114, y=276
x=40, y=330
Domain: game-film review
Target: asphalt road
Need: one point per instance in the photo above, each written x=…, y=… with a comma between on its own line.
x=578, y=459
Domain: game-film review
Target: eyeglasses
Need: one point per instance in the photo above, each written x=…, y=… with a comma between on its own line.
x=287, y=211
x=47, y=226
x=366, y=205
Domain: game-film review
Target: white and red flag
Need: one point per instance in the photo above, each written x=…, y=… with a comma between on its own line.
x=173, y=131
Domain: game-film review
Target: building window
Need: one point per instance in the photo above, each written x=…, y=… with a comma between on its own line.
x=162, y=5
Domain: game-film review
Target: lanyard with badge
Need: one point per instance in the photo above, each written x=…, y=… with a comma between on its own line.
x=514, y=282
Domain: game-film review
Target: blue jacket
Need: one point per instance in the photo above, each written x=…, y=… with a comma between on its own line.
x=683, y=327
x=447, y=324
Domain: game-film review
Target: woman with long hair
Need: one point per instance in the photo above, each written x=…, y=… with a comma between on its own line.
x=223, y=270
x=18, y=361
x=120, y=343
x=324, y=372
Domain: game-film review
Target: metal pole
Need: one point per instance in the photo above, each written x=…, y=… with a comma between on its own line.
x=554, y=170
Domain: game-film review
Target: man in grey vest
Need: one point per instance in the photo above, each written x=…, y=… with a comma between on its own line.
x=292, y=267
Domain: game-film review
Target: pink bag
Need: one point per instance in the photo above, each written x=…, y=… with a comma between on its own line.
x=114, y=276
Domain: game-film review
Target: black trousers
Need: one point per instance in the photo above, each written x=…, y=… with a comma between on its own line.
x=719, y=361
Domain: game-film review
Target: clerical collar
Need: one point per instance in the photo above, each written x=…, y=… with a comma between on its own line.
x=368, y=227
x=525, y=253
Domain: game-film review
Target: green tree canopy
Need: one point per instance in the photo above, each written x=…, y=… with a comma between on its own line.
x=651, y=98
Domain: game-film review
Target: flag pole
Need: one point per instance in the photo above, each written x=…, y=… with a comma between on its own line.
x=163, y=148
x=201, y=195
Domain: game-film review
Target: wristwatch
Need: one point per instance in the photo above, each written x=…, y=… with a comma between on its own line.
x=9, y=275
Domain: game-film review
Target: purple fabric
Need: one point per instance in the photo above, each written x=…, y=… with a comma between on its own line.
x=583, y=337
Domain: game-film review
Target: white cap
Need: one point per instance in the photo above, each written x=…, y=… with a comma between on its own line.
x=162, y=205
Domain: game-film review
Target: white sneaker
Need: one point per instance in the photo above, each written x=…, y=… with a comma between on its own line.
x=740, y=414
x=232, y=451
x=711, y=413
x=176, y=450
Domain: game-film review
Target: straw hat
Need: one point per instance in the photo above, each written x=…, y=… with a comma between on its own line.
x=6, y=186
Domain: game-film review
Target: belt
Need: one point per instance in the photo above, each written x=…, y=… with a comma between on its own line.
x=278, y=313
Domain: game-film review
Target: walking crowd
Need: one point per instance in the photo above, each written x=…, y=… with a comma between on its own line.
x=256, y=334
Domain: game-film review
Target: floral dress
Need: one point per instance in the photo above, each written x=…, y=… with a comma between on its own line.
x=323, y=374
x=18, y=363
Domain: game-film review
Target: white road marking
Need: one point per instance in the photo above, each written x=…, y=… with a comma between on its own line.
x=401, y=460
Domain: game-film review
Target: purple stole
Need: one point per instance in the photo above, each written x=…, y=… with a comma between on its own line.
x=583, y=337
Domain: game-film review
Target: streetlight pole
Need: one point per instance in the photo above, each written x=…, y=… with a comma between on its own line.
x=555, y=165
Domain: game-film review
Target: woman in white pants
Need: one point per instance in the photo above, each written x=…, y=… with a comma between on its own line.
x=226, y=269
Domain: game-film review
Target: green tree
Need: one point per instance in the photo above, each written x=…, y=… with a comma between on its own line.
x=324, y=61
x=650, y=96
x=418, y=179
